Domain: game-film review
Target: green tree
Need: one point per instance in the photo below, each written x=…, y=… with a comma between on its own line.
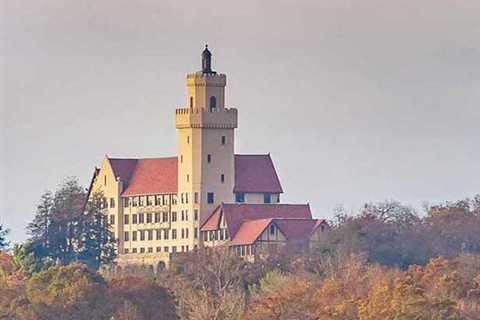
x=96, y=245
x=3, y=237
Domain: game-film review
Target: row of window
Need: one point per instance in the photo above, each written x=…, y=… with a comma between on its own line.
x=221, y=234
x=156, y=217
x=160, y=234
x=267, y=197
x=141, y=201
x=245, y=250
x=158, y=249
x=223, y=140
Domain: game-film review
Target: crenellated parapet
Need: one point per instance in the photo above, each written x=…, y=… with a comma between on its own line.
x=200, y=79
x=225, y=118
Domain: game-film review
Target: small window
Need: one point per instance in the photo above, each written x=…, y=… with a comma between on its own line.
x=186, y=233
x=239, y=197
x=213, y=103
x=183, y=215
x=165, y=235
x=141, y=218
x=134, y=219
x=210, y=197
x=134, y=235
x=188, y=139
x=159, y=249
x=126, y=236
x=181, y=158
x=141, y=201
x=142, y=235
x=267, y=198
x=112, y=202
x=157, y=217
x=191, y=102
x=186, y=197
x=183, y=233
x=188, y=178
x=142, y=250
x=196, y=197
x=126, y=219
x=186, y=215
x=165, y=249
x=174, y=216
x=272, y=229
x=195, y=214
x=174, y=233
x=209, y=158
x=112, y=219
x=134, y=250
x=150, y=234
x=105, y=180
x=165, y=217
x=224, y=139
x=195, y=233
x=149, y=218
x=126, y=202
x=174, y=249
x=125, y=251
x=134, y=201
x=222, y=178
x=158, y=234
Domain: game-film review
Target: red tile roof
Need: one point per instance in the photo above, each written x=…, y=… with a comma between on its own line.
x=148, y=176
x=250, y=231
x=295, y=230
x=235, y=214
x=255, y=173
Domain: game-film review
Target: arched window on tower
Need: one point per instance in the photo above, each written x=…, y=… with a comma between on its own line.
x=191, y=102
x=213, y=103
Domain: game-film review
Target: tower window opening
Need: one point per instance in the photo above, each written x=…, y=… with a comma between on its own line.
x=210, y=197
x=222, y=178
x=188, y=139
x=224, y=139
x=191, y=102
x=209, y=158
x=213, y=103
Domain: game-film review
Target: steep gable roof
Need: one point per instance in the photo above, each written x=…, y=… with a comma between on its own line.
x=236, y=214
x=256, y=173
x=250, y=231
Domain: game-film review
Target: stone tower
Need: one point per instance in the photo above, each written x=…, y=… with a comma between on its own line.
x=205, y=147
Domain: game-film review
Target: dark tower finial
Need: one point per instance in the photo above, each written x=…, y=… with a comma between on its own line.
x=207, y=61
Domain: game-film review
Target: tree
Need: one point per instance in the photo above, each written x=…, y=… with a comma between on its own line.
x=138, y=298
x=96, y=245
x=3, y=237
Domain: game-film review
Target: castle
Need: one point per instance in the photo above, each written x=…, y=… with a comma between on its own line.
x=206, y=195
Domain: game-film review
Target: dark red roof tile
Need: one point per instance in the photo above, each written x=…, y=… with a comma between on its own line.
x=255, y=173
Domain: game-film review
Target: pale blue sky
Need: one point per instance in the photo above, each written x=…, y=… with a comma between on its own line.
x=356, y=100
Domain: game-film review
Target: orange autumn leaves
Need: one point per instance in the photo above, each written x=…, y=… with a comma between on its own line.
x=443, y=289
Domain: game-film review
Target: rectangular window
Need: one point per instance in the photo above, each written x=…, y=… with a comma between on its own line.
x=174, y=249
x=195, y=214
x=142, y=235
x=165, y=216
x=112, y=219
x=125, y=251
x=210, y=197
x=126, y=202
x=174, y=199
x=209, y=158
x=183, y=215
x=222, y=178
x=226, y=234
x=157, y=200
x=150, y=250
x=186, y=248
x=195, y=233
x=188, y=139
x=181, y=158
x=186, y=233
x=134, y=235
x=134, y=250
x=157, y=217
x=159, y=249
x=188, y=178
x=126, y=219
x=158, y=234
x=112, y=202
x=239, y=197
x=150, y=234
x=134, y=201
x=142, y=250
x=149, y=201
x=211, y=235
x=165, y=234
x=224, y=139
x=196, y=197
x=221, y=234
x=205, y=236
x=181, y=198
x=174, y=216
x=141, y=218
x=149, y=218
x=183, y=233
x=141, y=202
x=174, y=234
x=134, y=219
x=183, y=248
x=186, y=215
x=186, y=197
x=165, y=249
x=126, y=236
x=267, y=198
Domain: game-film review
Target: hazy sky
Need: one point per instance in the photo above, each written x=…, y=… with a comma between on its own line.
x=356, y=100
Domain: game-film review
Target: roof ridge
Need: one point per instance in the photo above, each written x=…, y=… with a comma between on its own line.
x=149, y=158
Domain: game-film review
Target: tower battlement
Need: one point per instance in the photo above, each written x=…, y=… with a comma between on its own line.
x=225, y=118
